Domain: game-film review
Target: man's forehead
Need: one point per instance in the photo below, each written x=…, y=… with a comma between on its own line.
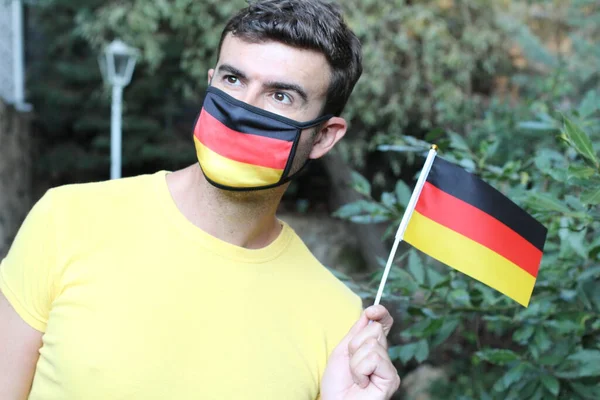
x=274, y=61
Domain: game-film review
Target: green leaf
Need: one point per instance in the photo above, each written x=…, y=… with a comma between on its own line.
x=539, y=394
x=363, y=211
x=580, y=171
x=546, y=202
x=594, y=249
x=580, y=141
x=429, y=313
x=403, y=352
x=550, y=383
x=402, y=280
x=552, y=163
x=591, y=357
x=510, y=377
x=355, y=208
x=434, y=278
x=593, y=272
x=591, y=197
x=575, y=203
x=542, y=340
x=523, y=334
x=434, y=134
x=588, y=392
x=497, y=356
x=551, y=360
x=369, y=219
x=537, y=126
x=417, y=329
x=458, y=142
x=459, y=297
x=528, y=390
x=584, y=363
x=415, y=267
x=388, y=199
x=557, y=356
x=589, y=104
x=488, y=294
x=448, y=327
x=407, y=352
x=361, y=184
x=403, y=193
x=424, y=328
x=576, y=241
x=422, y=351
x=568, y=295
x=394, y=352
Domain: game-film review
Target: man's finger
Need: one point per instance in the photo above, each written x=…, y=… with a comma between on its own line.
x=370, y=346
x=380, y=314
x=371, y=331
x=379, y=370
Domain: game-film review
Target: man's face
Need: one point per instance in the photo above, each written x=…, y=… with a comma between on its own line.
x=278, y=78
x=281, y=79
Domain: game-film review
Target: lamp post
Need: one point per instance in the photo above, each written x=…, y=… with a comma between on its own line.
x=116, y=64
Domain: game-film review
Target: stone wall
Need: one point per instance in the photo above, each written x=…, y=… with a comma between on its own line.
x=15, y=172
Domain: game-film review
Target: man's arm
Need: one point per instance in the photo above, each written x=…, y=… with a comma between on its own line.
x=19, y=352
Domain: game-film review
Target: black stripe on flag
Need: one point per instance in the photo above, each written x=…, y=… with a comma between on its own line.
x=467, y=187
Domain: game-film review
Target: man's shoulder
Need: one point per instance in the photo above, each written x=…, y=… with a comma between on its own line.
x=324, y=284
x=112, y=188
x=97, y=200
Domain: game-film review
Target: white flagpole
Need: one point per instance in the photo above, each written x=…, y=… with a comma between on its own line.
x=406, y=218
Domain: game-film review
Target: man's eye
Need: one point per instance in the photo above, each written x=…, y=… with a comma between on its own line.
x=282, y=98
x=231, y=79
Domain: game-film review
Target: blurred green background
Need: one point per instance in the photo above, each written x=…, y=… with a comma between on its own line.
x=509, y=89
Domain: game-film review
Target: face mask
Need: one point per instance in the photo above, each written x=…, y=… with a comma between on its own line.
x=242, y=147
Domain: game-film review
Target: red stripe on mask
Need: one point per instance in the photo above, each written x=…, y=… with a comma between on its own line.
x=242, y=147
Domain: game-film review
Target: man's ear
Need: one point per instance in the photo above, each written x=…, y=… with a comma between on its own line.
x=211, y=72
x=329, y=134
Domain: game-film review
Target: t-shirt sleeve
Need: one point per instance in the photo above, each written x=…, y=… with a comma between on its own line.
x=343, y=320
x=27, y=273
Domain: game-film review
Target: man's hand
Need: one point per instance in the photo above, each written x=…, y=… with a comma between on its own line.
x=360, y=367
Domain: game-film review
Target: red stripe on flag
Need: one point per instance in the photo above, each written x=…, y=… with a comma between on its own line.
x=241, y=147
x=478, y=226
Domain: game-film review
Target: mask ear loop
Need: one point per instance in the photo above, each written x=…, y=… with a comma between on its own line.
x=288, y=167
x=291, y=157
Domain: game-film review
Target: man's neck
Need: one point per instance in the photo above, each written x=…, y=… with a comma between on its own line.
x=245, y=219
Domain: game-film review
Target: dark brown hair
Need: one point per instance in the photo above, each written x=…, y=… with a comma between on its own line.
x=306, y=24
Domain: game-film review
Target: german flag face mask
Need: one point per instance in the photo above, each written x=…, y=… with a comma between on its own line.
x=242, y=147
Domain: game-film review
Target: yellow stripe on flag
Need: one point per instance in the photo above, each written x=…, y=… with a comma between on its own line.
x=469, y=257
x=231, y=172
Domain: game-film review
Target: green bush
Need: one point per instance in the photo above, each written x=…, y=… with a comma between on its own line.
x=548, y=350
x=426, y=64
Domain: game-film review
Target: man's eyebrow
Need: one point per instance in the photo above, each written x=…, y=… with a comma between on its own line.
x=232, y=70
x=287, y=86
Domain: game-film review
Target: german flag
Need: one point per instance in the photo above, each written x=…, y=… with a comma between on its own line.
x=468, y=225
x=233, y=152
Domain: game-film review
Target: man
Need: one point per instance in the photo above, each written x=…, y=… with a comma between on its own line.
x=185, y=285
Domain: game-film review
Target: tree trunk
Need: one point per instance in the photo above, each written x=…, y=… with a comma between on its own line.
x=370, y=242
x=15, y=173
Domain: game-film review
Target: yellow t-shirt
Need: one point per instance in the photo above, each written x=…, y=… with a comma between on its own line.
x=135, y=302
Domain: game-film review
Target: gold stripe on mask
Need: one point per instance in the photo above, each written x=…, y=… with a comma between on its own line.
x=225, y=171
